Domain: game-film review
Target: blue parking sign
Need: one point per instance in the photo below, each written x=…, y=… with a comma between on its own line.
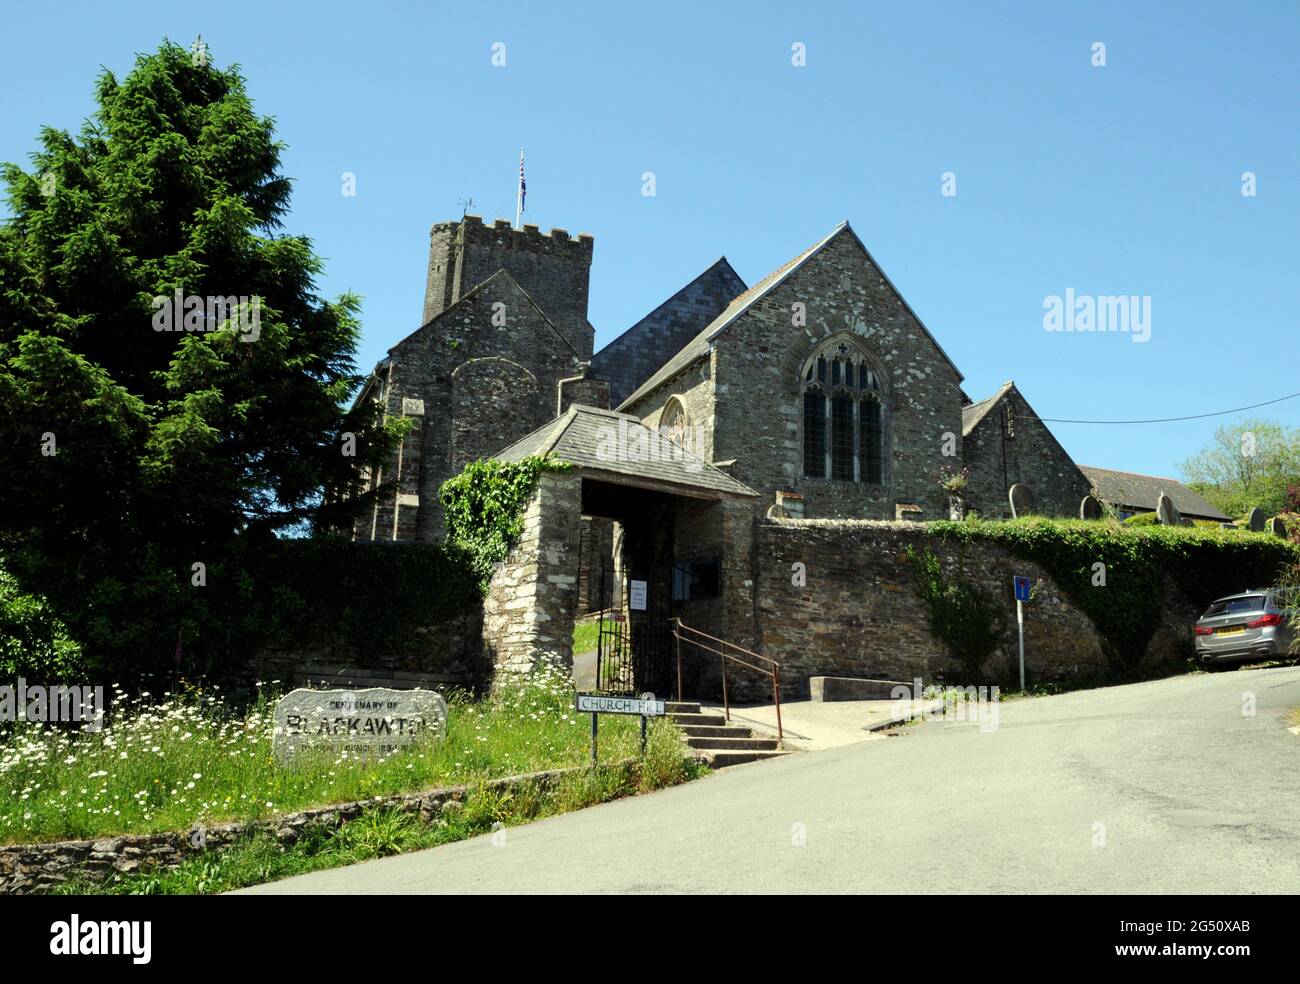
x=1022, y=587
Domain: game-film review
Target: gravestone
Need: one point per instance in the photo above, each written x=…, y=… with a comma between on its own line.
x=1256, y=520
x=1277, y=526
x=1167, y=513
x=368, y=723
x=1022, y=500
x=908, y=511
x=1090, y=508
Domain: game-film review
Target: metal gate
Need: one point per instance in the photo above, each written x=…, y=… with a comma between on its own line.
x=635, y=643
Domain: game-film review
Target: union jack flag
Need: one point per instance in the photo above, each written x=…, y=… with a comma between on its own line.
x=523, y=185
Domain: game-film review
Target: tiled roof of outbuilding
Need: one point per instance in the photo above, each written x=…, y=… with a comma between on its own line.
x=623, y=449
x=1142, y=491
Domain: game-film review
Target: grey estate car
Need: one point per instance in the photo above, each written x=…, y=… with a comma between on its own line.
x=1251, y=625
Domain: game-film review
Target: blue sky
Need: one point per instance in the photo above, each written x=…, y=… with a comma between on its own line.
x=1122, y=179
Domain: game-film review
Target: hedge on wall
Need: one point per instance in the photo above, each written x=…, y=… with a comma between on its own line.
x=484, y=507
x=361, y=597
x=1203, y=563
x=357, y=600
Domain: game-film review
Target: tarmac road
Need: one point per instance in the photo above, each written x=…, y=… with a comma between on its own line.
x=1162, y=787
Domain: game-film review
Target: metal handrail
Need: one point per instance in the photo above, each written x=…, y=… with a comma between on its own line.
x=772, y=670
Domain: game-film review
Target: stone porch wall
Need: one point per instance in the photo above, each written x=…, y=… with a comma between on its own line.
x=533, y=595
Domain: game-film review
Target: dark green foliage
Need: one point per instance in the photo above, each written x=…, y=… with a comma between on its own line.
x=484, y=507
x=34, y=644
x=330, y=594
x=962, y=614
x=172, y=447
x=1203, y=564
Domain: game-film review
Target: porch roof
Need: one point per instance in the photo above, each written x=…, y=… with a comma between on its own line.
x=619, y=448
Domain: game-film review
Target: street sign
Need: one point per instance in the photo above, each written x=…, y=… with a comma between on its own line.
x=1021, y=585
x=644, y=707
x=603, y=704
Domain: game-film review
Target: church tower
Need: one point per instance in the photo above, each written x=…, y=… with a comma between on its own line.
x=552, y=267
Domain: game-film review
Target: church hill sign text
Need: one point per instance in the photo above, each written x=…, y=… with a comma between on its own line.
x=365, y=723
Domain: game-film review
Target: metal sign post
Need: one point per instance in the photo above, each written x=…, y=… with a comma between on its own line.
x=645, y=707
x=1022, y=589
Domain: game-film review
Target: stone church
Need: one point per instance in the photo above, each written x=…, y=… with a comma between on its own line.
x=818, y=385
x=745, y=460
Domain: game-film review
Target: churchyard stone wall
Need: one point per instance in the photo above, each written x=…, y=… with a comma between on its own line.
x=859, y=615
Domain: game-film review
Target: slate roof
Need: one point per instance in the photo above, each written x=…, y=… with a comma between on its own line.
x=973, y=413
x=699, y=346
x=1141, y=492
x=624, y=450
x=632, y=358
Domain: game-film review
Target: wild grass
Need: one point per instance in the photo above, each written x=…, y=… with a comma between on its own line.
x=385, y=831
x=172, y=762
x=584, y=636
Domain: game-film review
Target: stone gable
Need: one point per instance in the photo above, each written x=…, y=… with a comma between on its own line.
x=1006, y=444
x=482, y=374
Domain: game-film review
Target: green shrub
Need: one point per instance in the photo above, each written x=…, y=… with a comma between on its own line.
x=34, y=643
x=1203, y=564
x=484, y=507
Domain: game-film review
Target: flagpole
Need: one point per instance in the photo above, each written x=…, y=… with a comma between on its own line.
x=519, y=191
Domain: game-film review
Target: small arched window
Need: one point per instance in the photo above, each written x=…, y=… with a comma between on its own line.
x=843, y=419
x=674, y=424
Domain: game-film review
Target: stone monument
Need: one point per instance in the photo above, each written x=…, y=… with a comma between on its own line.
x=1167, y=513
x=369, y=723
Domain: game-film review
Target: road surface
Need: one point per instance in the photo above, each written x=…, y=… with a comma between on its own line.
x=1156, y=787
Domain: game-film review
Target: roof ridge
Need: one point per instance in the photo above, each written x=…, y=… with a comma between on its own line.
x=738, y=305
x=1120, y=471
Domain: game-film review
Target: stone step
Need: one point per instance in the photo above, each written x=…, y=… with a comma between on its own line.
x=682, y=706
x=717, y=731
x=734, y=744
x=705, y=719
x=723, y=758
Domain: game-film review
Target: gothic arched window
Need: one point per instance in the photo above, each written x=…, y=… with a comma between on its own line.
x=843, y=420
x=675, y=424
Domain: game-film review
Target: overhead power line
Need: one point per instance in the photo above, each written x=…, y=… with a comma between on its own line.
x=1167, y=420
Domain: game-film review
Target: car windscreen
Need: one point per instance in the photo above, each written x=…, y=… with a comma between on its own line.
x=1232, y=606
